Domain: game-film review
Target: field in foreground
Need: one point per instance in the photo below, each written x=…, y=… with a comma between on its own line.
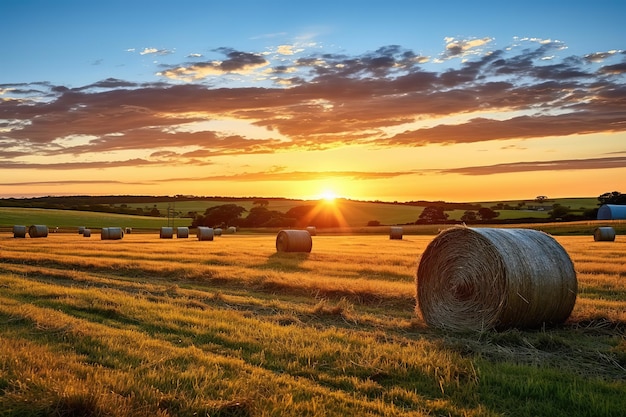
x=147, y=326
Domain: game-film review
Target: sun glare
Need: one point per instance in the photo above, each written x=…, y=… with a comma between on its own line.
x=328, y=196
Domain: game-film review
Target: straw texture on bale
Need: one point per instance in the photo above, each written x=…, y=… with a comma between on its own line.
x=38, y=230
x=612, y=212
x=111, y=233
x=477, y=279
x=19, y=231
x=312, y=230
x=81, y=230
x=182, y=232
x=395, y=233
x=166, y=233
x=294, y=241
x=86, y=233
x=205, y=233
x=604, y=234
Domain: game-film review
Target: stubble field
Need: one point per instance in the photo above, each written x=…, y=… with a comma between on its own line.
x=179, y=327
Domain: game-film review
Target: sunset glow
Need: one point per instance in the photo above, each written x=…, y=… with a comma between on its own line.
x=341, y=100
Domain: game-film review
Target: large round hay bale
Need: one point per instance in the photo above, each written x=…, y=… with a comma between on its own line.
x=38, y=230
x=111, y=233
x=205, y=233
x=294, y=241
x=395, y=233
x=19, y=231
x=604, y=234
x=86, y=233
x=166, y=233
x=182, y=232
x=312, y=230
x=81, y=230
x=475, y=279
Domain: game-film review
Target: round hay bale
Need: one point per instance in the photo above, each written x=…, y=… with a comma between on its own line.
x=231, y=229
x=19, y=231
x=217, y=231
x=81, y=230
x=205, y=233
x=38, y=230
x=312, y=230
x=128, y=230
x=604, y=234
x=182, y=232
x=395, y=233
x=476, y=279
x=86, y=233
x=166, y=233
x=111, y=233
x=294, y=241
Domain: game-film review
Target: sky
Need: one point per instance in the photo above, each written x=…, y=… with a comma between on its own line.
x=392, y=101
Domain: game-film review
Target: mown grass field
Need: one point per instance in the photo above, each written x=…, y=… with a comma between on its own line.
x=178, y=327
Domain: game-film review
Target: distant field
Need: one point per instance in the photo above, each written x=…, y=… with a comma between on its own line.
x=356, y=214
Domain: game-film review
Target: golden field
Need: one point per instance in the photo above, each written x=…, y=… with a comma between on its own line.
x=148, y=326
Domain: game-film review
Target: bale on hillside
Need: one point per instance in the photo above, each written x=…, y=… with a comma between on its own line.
x=166, y=233
x=19, y=231
x=205, y=233
x=475, y=279
x=231, y=229
x=86, y=233
x=217, y=231
x=395, y=233
x=604, y=234
x=111, y=233
x=312, y=230
x=128, y=230
x=294, y=241
x=38, y=230
x=81, y=230
x=182, y=232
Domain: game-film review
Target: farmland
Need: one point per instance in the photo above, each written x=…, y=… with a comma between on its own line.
x=148, y=326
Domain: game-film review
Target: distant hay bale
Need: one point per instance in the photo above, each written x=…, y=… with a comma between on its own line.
x=205, y=233
x=166, y=233
x=111, y=233
x=81, y=230
x=395, y=233
x=19, y=231
x=294, y=241
x=231, y=230
x=128, y=230
x=86, y=233
x=312, y=230
x=217, y=231
x=475, y=279
x=38, y=230
x=604, y=234
x=182, y=232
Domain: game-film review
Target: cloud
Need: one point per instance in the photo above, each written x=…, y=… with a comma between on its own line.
x=558, y=165
x=319, y=101
x=279, y=175
x=155, y=51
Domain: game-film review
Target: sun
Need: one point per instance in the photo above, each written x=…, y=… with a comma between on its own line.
x=328, y=196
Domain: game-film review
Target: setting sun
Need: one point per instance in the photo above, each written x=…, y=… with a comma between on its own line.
x=329, y=196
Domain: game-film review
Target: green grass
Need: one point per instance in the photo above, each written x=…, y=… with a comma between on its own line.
x=148, y=326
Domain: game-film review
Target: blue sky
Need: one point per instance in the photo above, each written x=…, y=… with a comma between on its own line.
x=395, y=100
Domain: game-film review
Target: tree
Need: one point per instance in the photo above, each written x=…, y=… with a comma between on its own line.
x=432, y=214
x=487, y=214
x=541, y=198
x=223, y=215
x=559, y=212
x=614, y=197
x=469, y=216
